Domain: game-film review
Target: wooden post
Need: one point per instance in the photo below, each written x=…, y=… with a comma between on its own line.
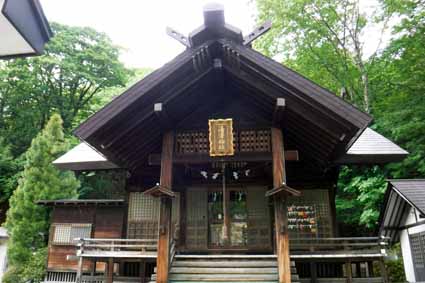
x=384, y=272
x=349, y=271
x=162, y=260
x=313, y=268
x=280, y=207
x=79, y=269
x=110, y=271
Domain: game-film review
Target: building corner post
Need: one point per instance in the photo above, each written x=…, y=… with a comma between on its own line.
x=162, y=261
x=280, y=207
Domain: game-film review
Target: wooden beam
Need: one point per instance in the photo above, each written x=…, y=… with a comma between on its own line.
x=280, y=207
x=166, y=179
x=162, y=116
x=279, y=113
x=257, y=32
x=178, y=36
x=197, y=158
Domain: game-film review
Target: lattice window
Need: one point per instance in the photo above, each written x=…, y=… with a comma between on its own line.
x=65, y=233
x=142, y=207
x=417, y=248
x=244, y=141
x=318, y=200
x=143, y=213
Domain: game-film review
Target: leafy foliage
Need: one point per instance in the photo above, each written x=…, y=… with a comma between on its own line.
x=78, y=64
x=108, y=184
x=27, y=222
x=324, y=40
x=360, y=188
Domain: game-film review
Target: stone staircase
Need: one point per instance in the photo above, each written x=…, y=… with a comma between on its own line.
x=226, y=268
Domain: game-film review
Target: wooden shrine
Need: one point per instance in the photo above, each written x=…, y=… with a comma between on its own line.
x=231, y=163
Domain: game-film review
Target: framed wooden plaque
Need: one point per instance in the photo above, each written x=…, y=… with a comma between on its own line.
x=221, y=137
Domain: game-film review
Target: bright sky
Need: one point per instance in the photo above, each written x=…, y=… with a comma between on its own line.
x=139, y=25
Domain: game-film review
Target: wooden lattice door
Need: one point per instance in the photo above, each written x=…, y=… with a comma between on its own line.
x=259, y=230
x=196, y=218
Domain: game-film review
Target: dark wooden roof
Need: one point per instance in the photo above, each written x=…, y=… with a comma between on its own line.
x=401, y=195
x=222, y=76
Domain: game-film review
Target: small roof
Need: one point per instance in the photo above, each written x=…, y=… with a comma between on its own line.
x=83, y=157
x=80, y=202
x=372, y=147
x=24, y=30
x=401, y=195
x=412, y=191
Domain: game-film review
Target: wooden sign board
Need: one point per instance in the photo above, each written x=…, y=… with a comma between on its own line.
x=221, y=137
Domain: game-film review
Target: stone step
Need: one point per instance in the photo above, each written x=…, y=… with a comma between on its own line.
x=222, y=270
x=224, y=256
x=224, y=263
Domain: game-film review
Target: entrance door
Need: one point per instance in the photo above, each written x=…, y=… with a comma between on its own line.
x=248, y=224
x=233, y=233
x=196, y=219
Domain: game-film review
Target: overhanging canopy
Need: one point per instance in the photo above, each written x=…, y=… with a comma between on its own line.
x=24, y=29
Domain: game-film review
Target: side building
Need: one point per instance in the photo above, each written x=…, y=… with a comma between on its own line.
x=402, y=219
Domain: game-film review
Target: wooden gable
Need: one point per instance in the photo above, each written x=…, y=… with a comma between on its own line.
x=218, y=76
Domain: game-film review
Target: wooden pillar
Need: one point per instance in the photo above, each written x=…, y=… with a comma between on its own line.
x=162, y=260
x=349, y=271
x=110, y=271
x=79, y=269
x=383, y=269
x=313, y=269
x=280, y=207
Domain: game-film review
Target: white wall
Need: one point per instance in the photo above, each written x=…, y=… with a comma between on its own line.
x=3, y=249
x=405, y=244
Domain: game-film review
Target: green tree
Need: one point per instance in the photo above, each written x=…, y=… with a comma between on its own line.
x=78, y=64
x=27, y=222
x=361, y=191
x=399, y=85
x=322, y=39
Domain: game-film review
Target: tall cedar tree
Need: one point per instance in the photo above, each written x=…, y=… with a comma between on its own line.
x=27, y=222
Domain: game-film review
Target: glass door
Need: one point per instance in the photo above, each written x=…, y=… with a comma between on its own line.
x=232, y=233
x=216, y=237
x=238, y=214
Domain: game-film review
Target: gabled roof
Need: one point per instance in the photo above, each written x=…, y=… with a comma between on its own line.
x=83, y=157
x=372, y=147
x=219, y=70
x=401, y=195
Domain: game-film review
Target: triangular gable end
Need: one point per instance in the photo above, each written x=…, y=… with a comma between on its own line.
x=127, y=129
